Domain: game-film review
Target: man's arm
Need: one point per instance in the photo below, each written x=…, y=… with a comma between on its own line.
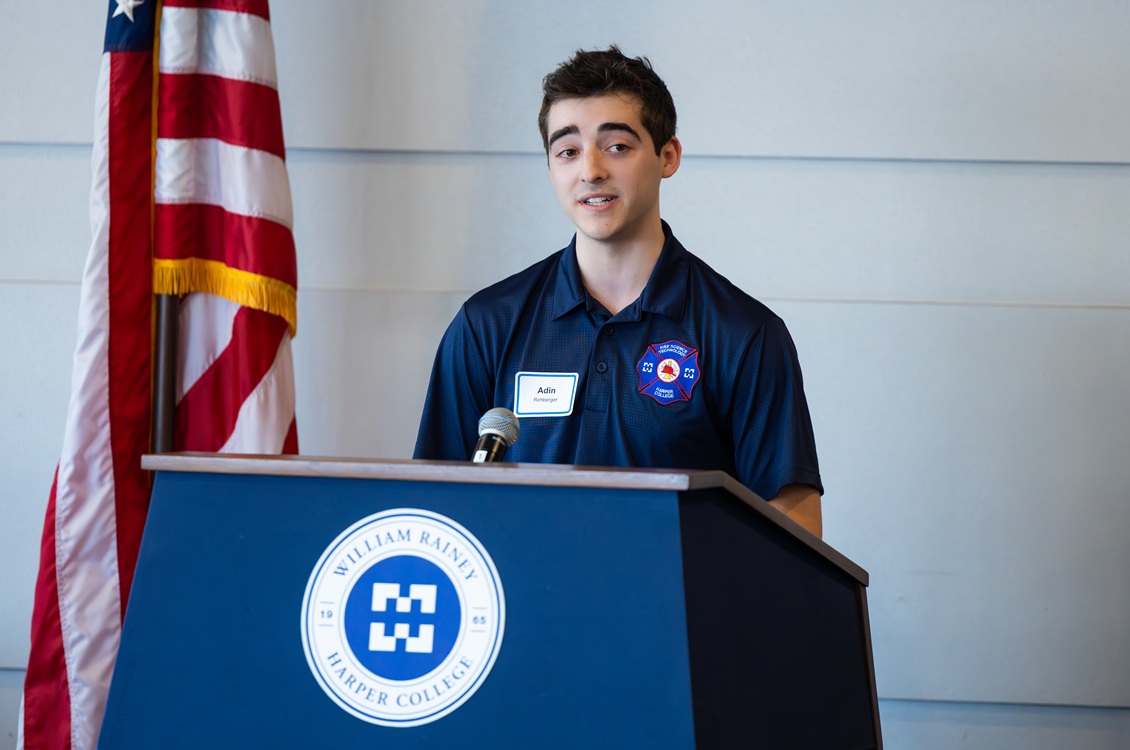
x=774, y=450
x=801, y=503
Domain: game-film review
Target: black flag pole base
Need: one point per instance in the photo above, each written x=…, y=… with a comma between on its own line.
x=165, y=334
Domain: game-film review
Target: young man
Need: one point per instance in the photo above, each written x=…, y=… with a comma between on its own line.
x=624, y=349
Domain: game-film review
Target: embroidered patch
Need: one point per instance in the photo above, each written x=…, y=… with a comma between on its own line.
x=668, y=371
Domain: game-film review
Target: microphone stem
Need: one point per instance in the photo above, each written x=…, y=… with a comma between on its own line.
x=489, y=448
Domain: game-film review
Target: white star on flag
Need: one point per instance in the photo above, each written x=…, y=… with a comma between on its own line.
x=127, y=6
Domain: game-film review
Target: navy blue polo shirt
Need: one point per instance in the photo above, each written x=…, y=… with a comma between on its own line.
x=695, y=374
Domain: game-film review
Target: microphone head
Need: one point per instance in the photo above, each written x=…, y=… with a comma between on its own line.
x=502, y=422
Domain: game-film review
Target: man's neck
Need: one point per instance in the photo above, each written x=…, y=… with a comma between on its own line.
x=616, y=273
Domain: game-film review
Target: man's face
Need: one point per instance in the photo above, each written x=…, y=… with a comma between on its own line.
x=604, y=168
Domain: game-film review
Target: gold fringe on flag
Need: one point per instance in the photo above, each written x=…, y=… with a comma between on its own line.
x=213, y=277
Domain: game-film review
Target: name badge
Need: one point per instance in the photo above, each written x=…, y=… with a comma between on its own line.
x=544, y=394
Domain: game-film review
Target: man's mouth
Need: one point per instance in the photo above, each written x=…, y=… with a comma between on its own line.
x=598, y=201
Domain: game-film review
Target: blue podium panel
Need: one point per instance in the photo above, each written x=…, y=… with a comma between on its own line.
x=593, y=653
x=779, y=644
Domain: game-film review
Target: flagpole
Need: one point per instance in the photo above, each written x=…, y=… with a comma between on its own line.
x=166, y=307
x=165, y=372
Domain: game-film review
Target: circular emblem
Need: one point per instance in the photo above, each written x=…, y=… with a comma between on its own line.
x=403, y=617
x=668, y=370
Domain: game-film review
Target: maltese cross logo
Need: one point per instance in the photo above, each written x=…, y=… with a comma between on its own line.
x=668, y=372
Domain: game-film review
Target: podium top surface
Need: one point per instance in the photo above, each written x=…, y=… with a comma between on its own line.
x=443, y=471
x=464, y=472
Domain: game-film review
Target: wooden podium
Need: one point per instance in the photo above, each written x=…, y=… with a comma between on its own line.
x=643, y=609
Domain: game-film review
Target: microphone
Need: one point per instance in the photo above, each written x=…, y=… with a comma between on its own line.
x=498, y=430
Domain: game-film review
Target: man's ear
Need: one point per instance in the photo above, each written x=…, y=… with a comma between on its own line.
x=670, y=156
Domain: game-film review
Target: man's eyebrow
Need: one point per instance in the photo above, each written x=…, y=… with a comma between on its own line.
x=605, y=127
x=621, y=126
x=567, y=130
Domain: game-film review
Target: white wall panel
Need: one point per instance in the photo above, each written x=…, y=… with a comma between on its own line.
x=362, y=362
x=44, y=212
x=945, y=726
x=975, y=464
x=421, y=221
x=803, y=229
x=909, y=231
x=37, y=340
x=50, y=56
x=967, y=80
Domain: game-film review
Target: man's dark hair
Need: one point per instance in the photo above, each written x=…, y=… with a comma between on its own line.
x=601, y=72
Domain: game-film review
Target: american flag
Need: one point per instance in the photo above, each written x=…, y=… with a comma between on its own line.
x=190, y=196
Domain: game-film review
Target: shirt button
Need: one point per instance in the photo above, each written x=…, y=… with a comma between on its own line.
x=601, y=366
x=608, y=331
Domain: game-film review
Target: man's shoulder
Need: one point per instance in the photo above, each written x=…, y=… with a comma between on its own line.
x=711, y=289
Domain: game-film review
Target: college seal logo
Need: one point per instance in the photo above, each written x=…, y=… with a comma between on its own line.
x=668, y=372
x=403, y=617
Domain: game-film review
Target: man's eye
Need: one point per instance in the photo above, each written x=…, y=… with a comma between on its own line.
x=618, y=147
x=567, y=152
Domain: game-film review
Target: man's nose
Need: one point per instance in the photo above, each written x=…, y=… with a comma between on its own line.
x=593, y=168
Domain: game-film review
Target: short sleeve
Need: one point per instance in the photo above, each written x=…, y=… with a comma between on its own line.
x=772, y=430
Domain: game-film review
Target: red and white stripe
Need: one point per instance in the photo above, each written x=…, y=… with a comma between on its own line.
x=221, y=194
x=236, y=388
x=98, y=502
x=222, y=190
x=221, y=172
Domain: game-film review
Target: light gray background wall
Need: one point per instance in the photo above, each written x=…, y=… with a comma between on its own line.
x=934, y=195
